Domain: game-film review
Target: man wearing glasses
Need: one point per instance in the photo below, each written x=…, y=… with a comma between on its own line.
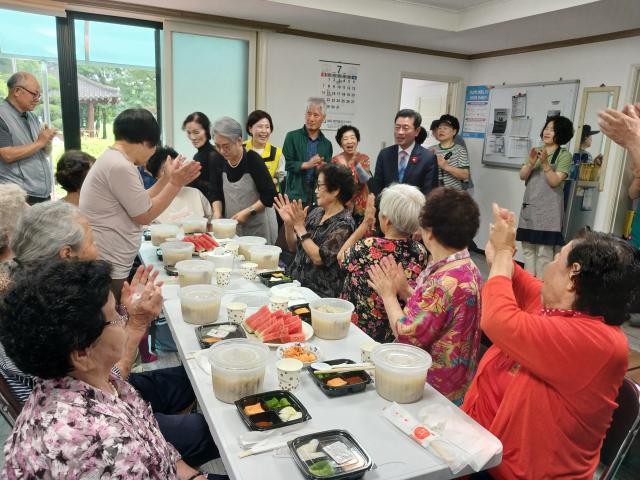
x=406, y=161
x=24, y=142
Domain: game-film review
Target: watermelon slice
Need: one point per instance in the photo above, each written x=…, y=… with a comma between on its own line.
x=293, y=337
x=293, y=324
x=274, y=333
x=253, y=321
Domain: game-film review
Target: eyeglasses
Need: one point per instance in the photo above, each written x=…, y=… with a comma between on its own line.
x=318, y=185
x=35, y=95
x=123, y=317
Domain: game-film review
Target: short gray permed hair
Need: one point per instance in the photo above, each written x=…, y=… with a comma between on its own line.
x=228, y=128
x=44, y=229
x=401, y=204
x=14, y=201
x=317, y=102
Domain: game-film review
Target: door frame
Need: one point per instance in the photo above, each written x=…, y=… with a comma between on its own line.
x=454, y=92
x=199, y=29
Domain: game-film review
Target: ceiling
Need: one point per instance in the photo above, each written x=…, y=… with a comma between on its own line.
x=464, y=27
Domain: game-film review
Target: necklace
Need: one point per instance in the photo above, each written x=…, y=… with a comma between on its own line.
x=114, y=390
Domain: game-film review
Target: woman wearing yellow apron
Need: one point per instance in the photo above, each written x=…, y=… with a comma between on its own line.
x=260, y=126
x=541, y=216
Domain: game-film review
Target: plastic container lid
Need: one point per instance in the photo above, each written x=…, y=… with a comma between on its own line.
x=266, y=249
x=238, y=354
x=163, y=227
x=200, y=293
x=194, y=266
x=194, y=221
x=337, y=455
x=401, y=358
x=176, y=247
x=249, y=240
x=224, y=221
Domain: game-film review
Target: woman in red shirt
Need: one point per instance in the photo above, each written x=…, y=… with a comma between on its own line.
x=547, y=387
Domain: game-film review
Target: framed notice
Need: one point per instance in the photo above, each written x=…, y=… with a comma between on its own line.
x=339, y=87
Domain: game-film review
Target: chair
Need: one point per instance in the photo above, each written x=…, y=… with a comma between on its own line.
x=622, y=431
x=9, y=405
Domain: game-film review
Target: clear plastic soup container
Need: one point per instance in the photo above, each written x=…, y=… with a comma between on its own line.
x=161, y=231
x=332, y=454
x=220, y=258
x=333, y=324
x=237, y=368
x=224, y=227
x=401, y=371
x=173, y=252
x=194, y=225
x=245, y=242
x=200, y=304
x=266, y=256
x=194, y=272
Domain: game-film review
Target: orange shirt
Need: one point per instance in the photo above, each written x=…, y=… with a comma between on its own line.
x=555, y=411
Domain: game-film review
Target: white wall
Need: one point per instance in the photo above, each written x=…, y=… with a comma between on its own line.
x=593, y=64
x=292, y=75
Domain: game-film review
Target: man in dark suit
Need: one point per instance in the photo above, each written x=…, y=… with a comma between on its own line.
x=406, y=161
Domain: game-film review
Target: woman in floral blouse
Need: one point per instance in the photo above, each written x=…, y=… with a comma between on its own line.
x=400, y=206
x=58, y=322
x=316, y=238
x=348, y=137
x=442, y=313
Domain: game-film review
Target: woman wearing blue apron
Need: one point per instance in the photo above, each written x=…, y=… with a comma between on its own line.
x=242, y=186
x=542, y=213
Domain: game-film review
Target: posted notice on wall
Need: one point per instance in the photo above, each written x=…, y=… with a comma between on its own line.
x=339, y=88
x=476, y=111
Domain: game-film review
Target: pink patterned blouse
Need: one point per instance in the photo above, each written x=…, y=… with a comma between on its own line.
x=443, y=317
x=71, y=430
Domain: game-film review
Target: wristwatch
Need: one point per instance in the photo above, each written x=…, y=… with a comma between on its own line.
x=253, y=212
x=304, y=236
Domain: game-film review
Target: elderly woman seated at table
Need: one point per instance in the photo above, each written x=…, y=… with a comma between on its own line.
x=14, y=201
x=71, y=171
x=57, y=230
x=400, y=206
x=442, y=313
x=59, y=323
x=316, y=238
x=241, y=184
x=547, y=387
x=188, y=203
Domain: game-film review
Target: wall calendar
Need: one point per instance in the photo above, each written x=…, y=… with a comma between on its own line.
x=339, y=88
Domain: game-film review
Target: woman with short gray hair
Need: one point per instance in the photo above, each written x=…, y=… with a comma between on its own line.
x=51, y=230
x=400, y=206
x=14, y=202
x=242, y=188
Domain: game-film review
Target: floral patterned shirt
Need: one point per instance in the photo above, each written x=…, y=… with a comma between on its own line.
x=327, y=279
x=370, y=314
x=359, y=199
x=443, y=317
x=71, y=430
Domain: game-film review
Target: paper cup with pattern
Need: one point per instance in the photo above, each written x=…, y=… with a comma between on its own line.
x=289, y=373
x=223, y=276
x=236, y=311
x=279, y=303
x=249, y=271
x=365, y=350
x=232, y=247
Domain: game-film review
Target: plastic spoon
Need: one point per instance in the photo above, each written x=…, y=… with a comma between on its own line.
x=344, y=367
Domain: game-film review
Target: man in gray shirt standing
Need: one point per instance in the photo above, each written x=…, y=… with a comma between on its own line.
x=24, y=142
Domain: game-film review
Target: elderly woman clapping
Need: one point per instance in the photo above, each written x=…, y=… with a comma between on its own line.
x=547, y=386
x=442, y=312
x=400, y=206
x=14, y=201
x=242, y=186
x=316, y=238
x=59, y=323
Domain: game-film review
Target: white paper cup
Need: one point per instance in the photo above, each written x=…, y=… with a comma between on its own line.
x=279, y=303
x=232, y=247
x=365, y=350
x=289, y=373
x=223, y=276
x=249, y=271
x=236, y=311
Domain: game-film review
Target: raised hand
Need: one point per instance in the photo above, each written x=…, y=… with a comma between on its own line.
x=381, y=283
x=283, y=206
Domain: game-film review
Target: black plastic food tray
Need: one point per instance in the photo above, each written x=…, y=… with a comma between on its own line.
x=270, y=415
x=202, y=329
x=345, y=389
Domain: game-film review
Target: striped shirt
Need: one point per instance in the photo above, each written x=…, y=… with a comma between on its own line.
x=21, y=384
x=458, y=159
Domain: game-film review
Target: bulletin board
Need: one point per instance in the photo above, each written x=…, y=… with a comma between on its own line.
x=517, y=114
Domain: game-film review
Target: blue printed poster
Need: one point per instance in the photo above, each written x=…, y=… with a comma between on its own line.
x=476, y=111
